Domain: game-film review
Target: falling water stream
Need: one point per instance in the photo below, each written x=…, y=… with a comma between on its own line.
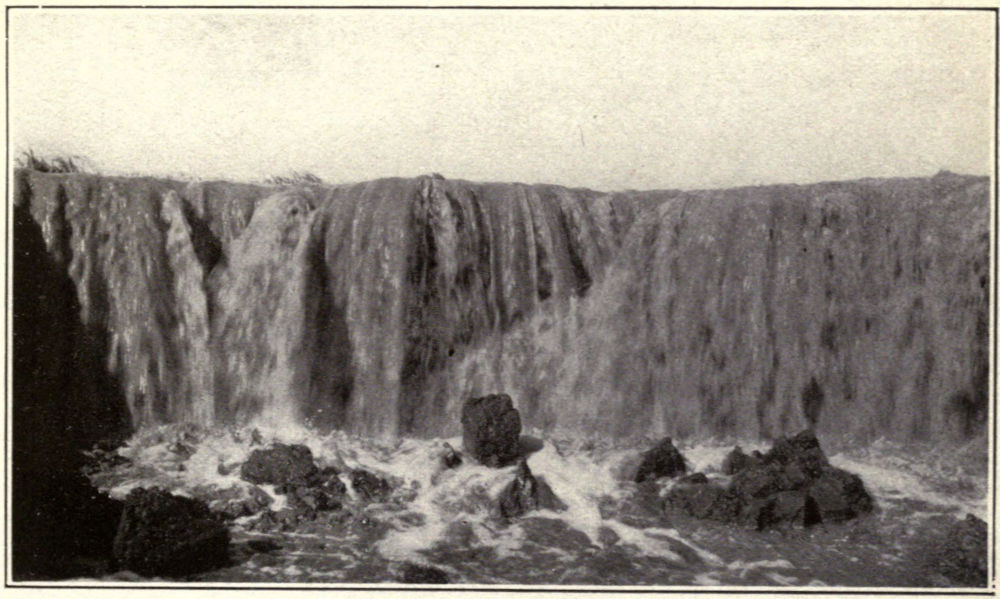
x=356, y=319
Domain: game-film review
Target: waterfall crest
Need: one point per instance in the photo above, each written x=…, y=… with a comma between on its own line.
x=379, y=307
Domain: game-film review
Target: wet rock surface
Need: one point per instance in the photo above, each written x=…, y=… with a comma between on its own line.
x=369, y=486
x=280, y=464
x=793, y=484
x=491, y=429
x=419, y=574
x=526, y=493
x=961, y=556
x=166, y=535
x=663, y=460
x=737, y=461
x=450, y=458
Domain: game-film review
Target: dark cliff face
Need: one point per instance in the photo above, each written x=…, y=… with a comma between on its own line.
x=378, y=307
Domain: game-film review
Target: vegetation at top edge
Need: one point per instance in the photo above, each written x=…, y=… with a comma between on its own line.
x=27, y=159
x=294, y=178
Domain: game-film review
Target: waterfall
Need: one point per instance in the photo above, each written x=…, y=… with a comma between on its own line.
x=379, y=307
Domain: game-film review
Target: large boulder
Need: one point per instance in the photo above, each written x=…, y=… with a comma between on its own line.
x=840, y=495
x=280, y=464
x=491, y=429
x=165, y=535
x=526, y=493
x=663, y=460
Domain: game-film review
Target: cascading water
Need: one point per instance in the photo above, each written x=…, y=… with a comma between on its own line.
x=356, y=319
x=378, y=307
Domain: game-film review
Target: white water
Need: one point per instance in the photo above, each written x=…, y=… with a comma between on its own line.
x=436, y=512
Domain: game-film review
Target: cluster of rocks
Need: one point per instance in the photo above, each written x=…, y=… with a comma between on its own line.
x=309, y=490
x=793, y=483
x=160, y=534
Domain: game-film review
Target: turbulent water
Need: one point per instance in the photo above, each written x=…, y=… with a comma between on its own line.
x=613, y=531
x=358, y=318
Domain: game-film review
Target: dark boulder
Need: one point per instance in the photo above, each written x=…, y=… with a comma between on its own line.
x=526, y=493
x=165, y=535
x=280, y=464
x=418, y=574
x=370, y=487
x=661, y=461
x=801, y=451
x=786, y=507
x=764, y=481
x=491, y=429
x=707, y=501
x=962, y=556
x=737, y=461
x=840, y=495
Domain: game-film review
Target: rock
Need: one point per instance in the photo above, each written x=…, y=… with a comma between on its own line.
x=491, y=429
x=526, y=493
x=181, y=449
x=840, y=495
x=318, y=499
x=737, y=461
x=236, y=503
x=708, y=501
x=450, y=458
x=661, y=461
x=165, y=535
x=802, y=450
x=280, y=464
x=368, y=486
x=418, y=574
x=760, y=482
x=792, y=484
x=786, y=507
x=607, y=536
x=962, y=556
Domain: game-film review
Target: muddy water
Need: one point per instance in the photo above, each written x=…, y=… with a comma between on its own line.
x=612, y=532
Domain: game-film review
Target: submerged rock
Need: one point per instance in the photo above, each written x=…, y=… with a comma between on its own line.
x=418, y=574
x=663, y=460
x=165, y=535
x=450, y=458
x=369, y=486
x=234, y=502
x=280, y=464
x=526, y=493
x=962, y=556
x=491, y=429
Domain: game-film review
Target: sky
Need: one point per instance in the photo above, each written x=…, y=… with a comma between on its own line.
x=602, y=99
